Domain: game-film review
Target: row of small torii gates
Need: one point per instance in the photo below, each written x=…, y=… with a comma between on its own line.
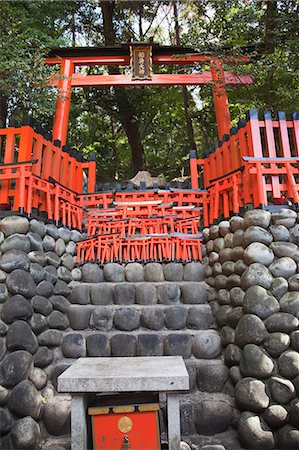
x=255, y=163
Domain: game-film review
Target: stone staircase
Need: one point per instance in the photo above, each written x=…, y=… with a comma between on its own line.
x=148, y=313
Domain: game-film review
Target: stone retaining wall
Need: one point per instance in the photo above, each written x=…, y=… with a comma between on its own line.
x=253, y=273
x=53, y=311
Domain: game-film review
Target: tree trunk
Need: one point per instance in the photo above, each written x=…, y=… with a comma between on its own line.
x=127, y=113
x=185, y=94
x=3, y=110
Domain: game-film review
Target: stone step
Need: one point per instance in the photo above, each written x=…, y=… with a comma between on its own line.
x=132, y=317
x=203, y=344
x=142, y=293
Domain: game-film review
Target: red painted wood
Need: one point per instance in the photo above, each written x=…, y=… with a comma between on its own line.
x=157, y=80
x=284, y=137
x=271, y=148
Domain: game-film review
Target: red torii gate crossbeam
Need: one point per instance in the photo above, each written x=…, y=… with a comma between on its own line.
x=153, y=54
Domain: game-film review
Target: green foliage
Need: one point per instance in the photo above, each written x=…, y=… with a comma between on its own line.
x=266, y=30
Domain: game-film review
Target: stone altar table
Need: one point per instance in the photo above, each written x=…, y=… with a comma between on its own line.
x=162, y=374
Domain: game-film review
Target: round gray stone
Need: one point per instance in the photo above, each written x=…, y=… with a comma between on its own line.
x=81, y=294
x=238, y=238
x=48, y=243
x=290, y=303
x=279, y=287
x=123, y=345
x=114, y=272
x=76, y=236
x=207, y=345
x=255, y=362
x=73, y=345
x=218, y=244
x=213, y=258
x=200, y=318
x=173, y=272
x=294, y=282
x=15, y=367
x=60, y=303
x=153, y=272
x=169, y=293
x=21, y=282
x=50, y=338
x=295, y=340
x=176, y=317
x=43, y=357
x=240, y=267
x=283, y=322
x=71, y=248
x=258, y=302
x=45, y=289
x=212, y=416
x=256, y=274
x=38, y=323
x=294, y=234
x=36, y=243
x=20, y=337
x=64, y=233
x=276, y=343
x=38, y=378
x=282, y=249
x=15, y=308
x=280, y=233
x=60, y=247
x=52, y=230
x=126, y=319
x=150, y=345
x=229, y=240
x=227, y=335
x=284, y=216
x=257, y=252
x=15, y=242
x=124, y=294
x=51, y=274
x=288, y=364
x=236, y=223
x=38, y=258
x=250, y=330
x=152, y=318
x=25, y=400
x=257, y=217
x=58, y=321
x=283, y=267
x=61, y=288
x=102, y=318
x=194, y=271
x=14, y=224
x=253, y=430
x=225, y=255
x=79, y=316
x=14, y=259
x=294, y=413
x=25, y=434
x=282, y=390
x=178, y=345
x=97, y=344
x=146, y=294
x=134, y=272
x=36, y=226
x=232, y=355
x=91, y=273
x=57, y=416
x=64, y=274
x=251, y=395
x=224, y=228
x=257, y=234
x=288, y=437
x=101, y=294
x=37, y=272
x=275, y=416
x=236, y=296
x=211, y=375
x=214, y=231
x=217, y=269
x=76, y=274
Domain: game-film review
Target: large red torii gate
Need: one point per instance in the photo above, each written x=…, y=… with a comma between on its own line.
x=141, y=56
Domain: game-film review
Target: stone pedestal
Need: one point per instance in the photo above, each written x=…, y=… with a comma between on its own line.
x=166, y=374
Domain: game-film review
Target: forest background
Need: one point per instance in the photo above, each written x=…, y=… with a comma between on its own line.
x=147, y=128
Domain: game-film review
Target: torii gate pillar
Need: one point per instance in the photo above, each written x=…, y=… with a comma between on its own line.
x=220, y=98
x=63, y=102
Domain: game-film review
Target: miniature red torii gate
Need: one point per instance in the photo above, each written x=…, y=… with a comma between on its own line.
x=141, y=56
